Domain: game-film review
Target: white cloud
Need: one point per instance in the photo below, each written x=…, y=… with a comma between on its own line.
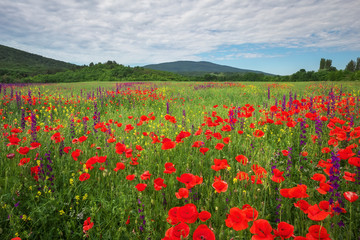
x=150, y=31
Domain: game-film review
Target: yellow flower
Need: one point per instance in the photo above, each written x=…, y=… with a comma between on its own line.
x=61, y=212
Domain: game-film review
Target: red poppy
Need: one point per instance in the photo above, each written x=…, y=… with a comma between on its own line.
x=159, y=184
x=23, y=150
x=203, y=150
x=187, y=213
x=145, y=176
x=296, y=192
x=202, y=232
x=169, y=168
x=219, y=146
x=226, y=140
x=182, y=193
x=349, y=176
x=284, y=230
x=178, y=232
x=242, y=176
x=128, y=128
x=316, y=214
x=355, y=161
x=119, y=166
x=219, y=164
x=75, y=154
x=285, y=152
x=303, y=205
x=319, y=177
x=120, y=148
x=23, y=161
x=219, y=185
x=34, y=145
x=262, y=229
x=317, y=232
x=226, y=128
x=277, y=177
x=204, y=216
x=242, y=159
x=324, y=188
x=250, y=212
x=57, y=137
x=351, y=196
x=67, y=149
x=173, y=216
x=87, y=224
x=130, y=177
x=258, y=133
x=84, y=176
x=168, y=145
x=141, y=187
x=236, y=219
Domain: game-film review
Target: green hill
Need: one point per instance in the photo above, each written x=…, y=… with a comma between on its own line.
x=109, y=71
x=16, y=64
x=198, y=68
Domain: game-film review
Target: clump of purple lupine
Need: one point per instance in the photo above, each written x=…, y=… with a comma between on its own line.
x=22, y=119
x=33, y=127
x=302, y=133
x=142, y=217
x=72, y=128
x=283, y=106
x=184, y=118
x=335, y=194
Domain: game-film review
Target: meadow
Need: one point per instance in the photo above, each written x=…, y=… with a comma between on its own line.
x=180, y=160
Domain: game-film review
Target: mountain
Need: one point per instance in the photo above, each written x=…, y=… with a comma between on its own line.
x=190, y=67
x=16, y=64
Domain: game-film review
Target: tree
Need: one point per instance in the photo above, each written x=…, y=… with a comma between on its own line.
x=322, y=64
x=351, y=66
x=357, y=68
x=328, y=63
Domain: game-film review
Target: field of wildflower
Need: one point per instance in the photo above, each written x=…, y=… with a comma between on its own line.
x=169, y=160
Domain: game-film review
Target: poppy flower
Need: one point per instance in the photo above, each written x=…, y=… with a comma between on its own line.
x=169, y=168
x=277, y=177
x=34, y=145
x=351, y=196
x=316, y=214
x=219, y=164
x=130, y=177
x=355, y=161
x=296, y=192
x=173, y=216
x=219, y=185
x=285, y=152
x=204, y=216
x=159, y=184
x=168, y=145
x=23, y=161
x=250, y=212
x=119, y=166
x=319, y=177
x=145, y=176
x=303, y=205
x=324, y=188
x=203, y=150
x=178, y=232
x=219, y=146
x=141, y=187
x=242, y=159
x=120, y=148
x=75, y=154
x=187, y=213
x=258, y=133
x=349, y=176
x=317, y=232
x=284, y=230
x=226, y=140
x=84, y=177
x=242, y=176
x=87, y=224
x=23, y=150
x=262, y=229
x=236, y=219
x=226, y=128
x=202, y=232
x=182, y=193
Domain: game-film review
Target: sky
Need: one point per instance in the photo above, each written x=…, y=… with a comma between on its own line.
x=278, y=37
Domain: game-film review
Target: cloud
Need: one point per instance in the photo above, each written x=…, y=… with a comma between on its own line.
x=150, y=31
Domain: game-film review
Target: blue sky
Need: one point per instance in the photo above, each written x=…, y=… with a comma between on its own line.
x=278, y=37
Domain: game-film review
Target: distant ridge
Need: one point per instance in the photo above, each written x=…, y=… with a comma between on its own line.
x=16, y=64
x=184, y=67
